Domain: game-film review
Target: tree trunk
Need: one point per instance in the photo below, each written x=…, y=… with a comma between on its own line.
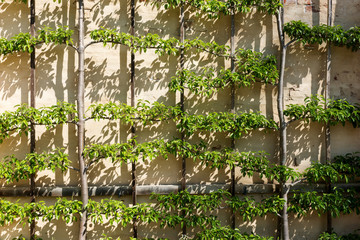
x=280, y=103
x=232, y=49
x=182, y=104
x=132, y=93
x=81, y=124
x=327, y=128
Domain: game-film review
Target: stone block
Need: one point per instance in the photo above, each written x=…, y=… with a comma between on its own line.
x=289, y=2
x=304, y=2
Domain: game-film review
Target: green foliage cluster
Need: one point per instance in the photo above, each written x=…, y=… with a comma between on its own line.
x=62, y=209
x=171, y=46
x=249, y=162
x=24, y=42
x=180, y=209
x=319, y=109
x=214, y=7
x=20, y=119
x=144, y=111
x=251, y=67
x=336, y=35
x=225, y=233
x=13, y=169
x=126, y=152
x=26, y=1
x=189, y=210
x=343, y=168
x=235, y=124
x=248, y=208
x=337, y=202
x=282, y=173
x=334, y=236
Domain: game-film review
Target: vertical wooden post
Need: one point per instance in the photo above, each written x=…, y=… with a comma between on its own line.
x=32, y=104
x=132, y=95
x=81, y=123
x=182, y=101
x=232, y=49
x=327, y=128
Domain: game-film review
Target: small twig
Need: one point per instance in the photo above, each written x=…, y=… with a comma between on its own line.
x=289, y=43
x=93, y=161
x=296, y=182
x=91, y=43
x=72, y=46
x=73, y=168
x=292, y=120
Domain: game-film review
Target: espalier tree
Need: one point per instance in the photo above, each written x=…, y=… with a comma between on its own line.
x=182, y=209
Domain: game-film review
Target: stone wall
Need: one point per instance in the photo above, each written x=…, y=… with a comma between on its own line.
x=107, y=79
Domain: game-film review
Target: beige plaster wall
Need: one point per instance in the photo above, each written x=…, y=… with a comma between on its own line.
x=107, y=79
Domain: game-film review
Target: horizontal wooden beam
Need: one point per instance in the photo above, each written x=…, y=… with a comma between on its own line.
x=145, y=190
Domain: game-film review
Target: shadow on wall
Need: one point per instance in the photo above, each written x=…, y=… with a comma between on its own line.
x=57, y=74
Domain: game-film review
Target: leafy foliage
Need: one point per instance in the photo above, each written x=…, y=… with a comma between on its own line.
x=336, y=111
x=251, y=67
x=248, y=208
x=21, y=119
x=235, y=124
x=181, y=209
x=282, y=173
x=190, y=210
x=69, y=211
x=225, y=233
x=65, y=209
x=214, y=7
x=171, y=46
x=336, y=35
x=126, y=152
x=334, y=236
x=336, y=202
x=25, y=1
x=24, y=42
x=343, y=168
x=14, y=169
x=131, y=151
x=144, y=111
